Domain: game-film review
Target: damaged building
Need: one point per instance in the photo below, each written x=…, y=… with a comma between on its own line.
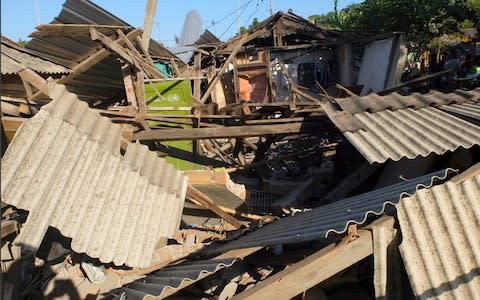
x=279, y=164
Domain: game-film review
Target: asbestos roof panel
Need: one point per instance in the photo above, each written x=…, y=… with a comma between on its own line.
x=331, y=218
x=469, y=110
x=376, y=103
x=411, y=133
x=64, y=166
x=169, y=280
x=14, y=60
x=441, y=244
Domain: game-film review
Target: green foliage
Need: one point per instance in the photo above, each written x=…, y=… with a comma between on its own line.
x=22, y=42
x=420, y=20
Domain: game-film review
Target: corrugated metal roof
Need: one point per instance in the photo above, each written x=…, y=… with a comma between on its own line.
x=169, y=280
x=441, y=244
x=104, y=81
x=14, y=60
x=334, y=217
x=64, y=167
x=410, y=133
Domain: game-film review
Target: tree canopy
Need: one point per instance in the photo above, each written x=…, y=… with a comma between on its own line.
x=422, y=21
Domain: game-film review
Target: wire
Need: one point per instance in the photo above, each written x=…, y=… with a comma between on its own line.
x=256, y=10
x=234, y=20
x=230, y=14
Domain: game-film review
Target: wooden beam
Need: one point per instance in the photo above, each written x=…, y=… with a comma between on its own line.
x=311, y=271
x=126, y=55
x=246, y=38
x=205, y=201
x=225, y=132
x=129, y=88
x=197, y=69
x=87, y=63
x=150, y=11
x=34, y=79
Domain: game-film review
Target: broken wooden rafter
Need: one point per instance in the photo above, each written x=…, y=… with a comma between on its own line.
x=312, y=270
x=87, y=63
x=199, y=197
x=245, y=39
x=226, y=132
x=150, y=10
x=126, y=55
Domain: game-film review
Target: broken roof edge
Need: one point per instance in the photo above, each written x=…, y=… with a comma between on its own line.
x=153, y=290
x=323, y=221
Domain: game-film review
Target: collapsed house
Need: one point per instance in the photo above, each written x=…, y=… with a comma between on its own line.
x=278, y=164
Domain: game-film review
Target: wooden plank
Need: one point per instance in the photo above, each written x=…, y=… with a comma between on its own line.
x=129, y=89
x=140, y=91
x=207, y=202
x=246, y=38
x=87, y=63
x=225, y=132
x=150, y=11
x=34, y=79
x=10, y=125
x=311, y=271
x=126, y=55
x=73, y=30
x=197, y=70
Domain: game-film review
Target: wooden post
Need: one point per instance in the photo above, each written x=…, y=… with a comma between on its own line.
x=129, y=89
x=246, y=38
x=197, y=73
x=150, y=10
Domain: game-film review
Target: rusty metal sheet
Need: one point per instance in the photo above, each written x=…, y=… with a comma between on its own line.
x=441, y=245
x=64, y=166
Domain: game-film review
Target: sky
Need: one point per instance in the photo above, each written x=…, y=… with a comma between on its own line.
x=19, y=17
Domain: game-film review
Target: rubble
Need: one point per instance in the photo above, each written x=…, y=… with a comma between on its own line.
x=267, y=166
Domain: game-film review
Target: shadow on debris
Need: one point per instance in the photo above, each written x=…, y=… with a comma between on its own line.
x=451, y=285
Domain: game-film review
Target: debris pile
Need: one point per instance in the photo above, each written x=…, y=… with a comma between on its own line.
x=278, y=164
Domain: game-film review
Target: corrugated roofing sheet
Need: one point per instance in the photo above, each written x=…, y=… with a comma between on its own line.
x=13, y=61
x=335, y=217
x=395, y=126
x=64, y=166
x=169, y=280
x=441, y=240
x=410, y=133
x=104, y=81
x=469, y=110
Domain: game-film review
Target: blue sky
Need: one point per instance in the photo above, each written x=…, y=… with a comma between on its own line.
x=19, y=17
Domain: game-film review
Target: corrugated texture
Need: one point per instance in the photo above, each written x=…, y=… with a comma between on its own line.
x=64, y=167
x=171, y=279
x=468, y=110
x=335, y=217
x=410, y=133
x=104, y=81
x=14, y=59
x=441, y=240
x=375, y=103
